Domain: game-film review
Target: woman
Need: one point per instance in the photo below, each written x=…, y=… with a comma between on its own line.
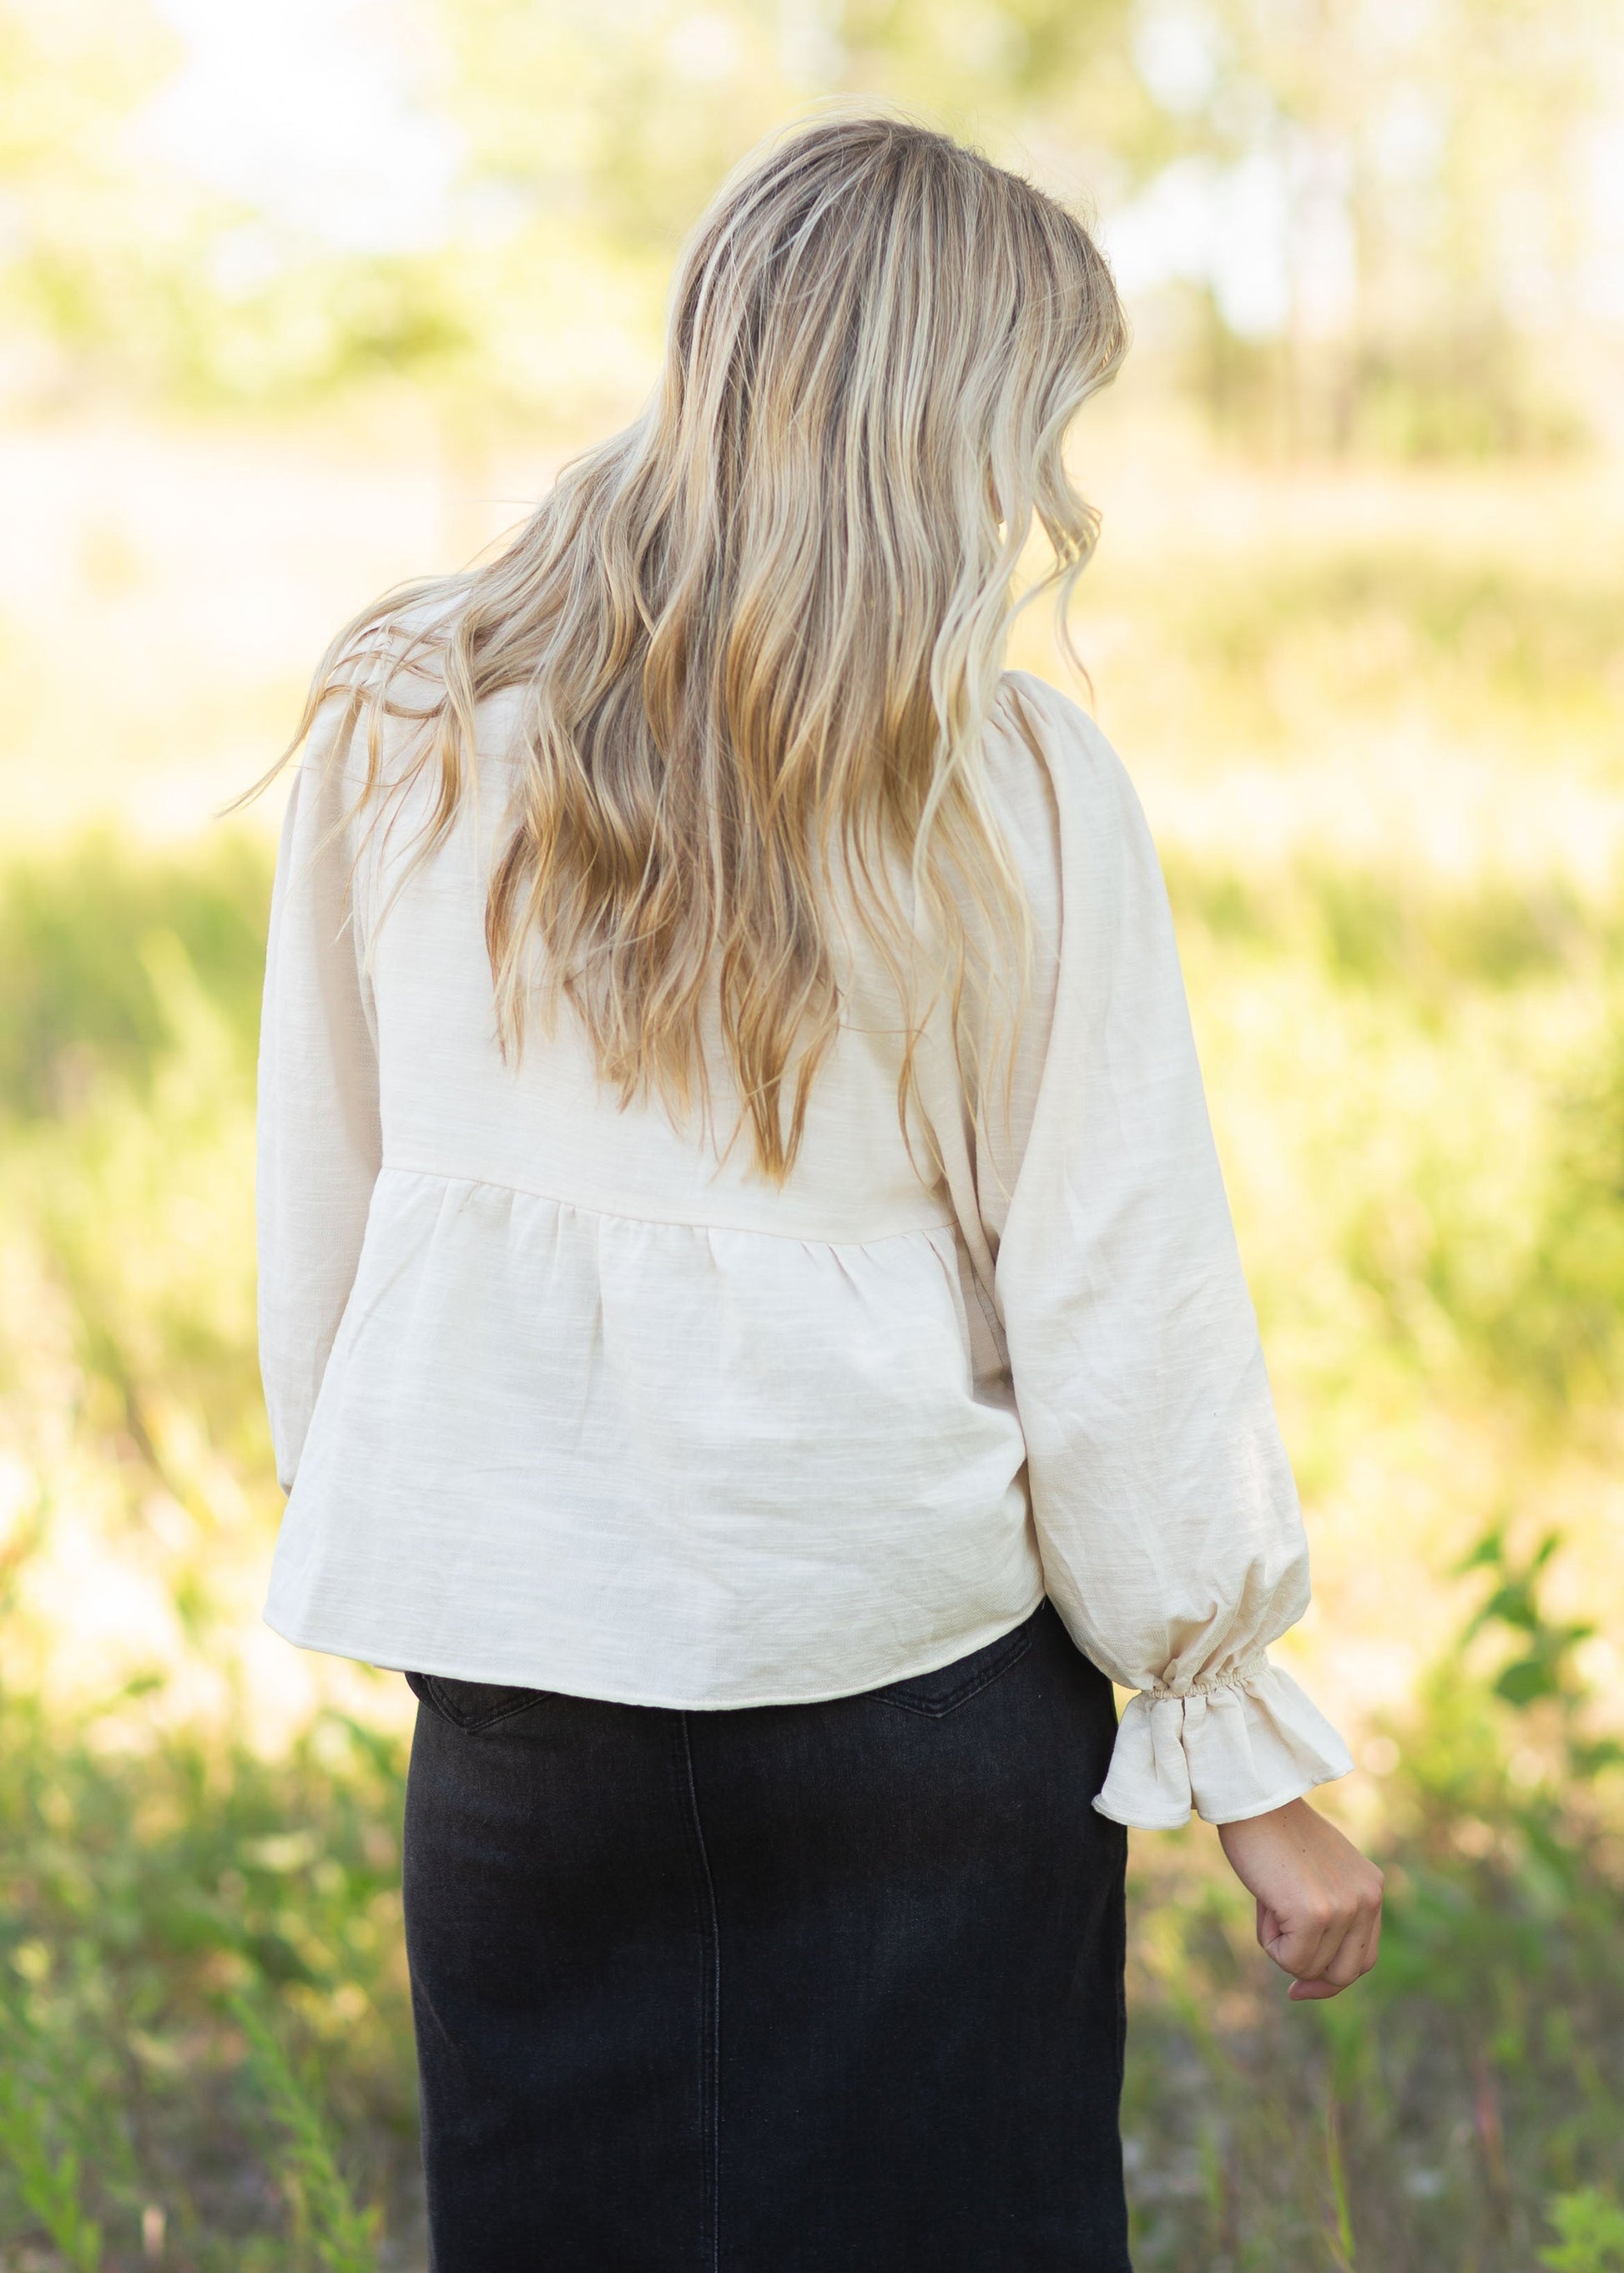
x=750, y=1319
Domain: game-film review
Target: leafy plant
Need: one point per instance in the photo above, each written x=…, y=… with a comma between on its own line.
x=1591, y=2226
x=46, y=2179
x=1544, y=1667
x=342, y=2239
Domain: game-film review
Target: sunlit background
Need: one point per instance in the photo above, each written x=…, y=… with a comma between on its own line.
x=299, y=299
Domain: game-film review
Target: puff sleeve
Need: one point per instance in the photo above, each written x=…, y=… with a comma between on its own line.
x=319, y=1142
x=1165, y=1507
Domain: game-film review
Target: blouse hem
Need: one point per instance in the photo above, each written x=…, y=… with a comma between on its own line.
x=442, y=1669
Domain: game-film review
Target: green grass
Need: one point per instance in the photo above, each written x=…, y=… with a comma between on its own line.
x=1476, y=2083
x=1379, y=631
x=196, y=1924
x=191, y=1933
x=79, y=996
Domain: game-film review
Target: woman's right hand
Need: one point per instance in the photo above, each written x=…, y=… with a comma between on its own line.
x=1318, y=1899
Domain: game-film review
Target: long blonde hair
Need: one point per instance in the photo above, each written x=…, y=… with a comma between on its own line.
x=758, y=632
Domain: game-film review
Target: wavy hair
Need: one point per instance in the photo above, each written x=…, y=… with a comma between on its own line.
x=758, y=633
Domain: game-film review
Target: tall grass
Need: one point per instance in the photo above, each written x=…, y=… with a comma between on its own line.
x=1417, y=1073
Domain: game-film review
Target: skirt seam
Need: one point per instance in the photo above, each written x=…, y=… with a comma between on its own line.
x=710, y=2015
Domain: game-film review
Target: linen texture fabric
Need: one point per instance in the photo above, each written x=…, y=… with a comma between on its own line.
x=567, y=1396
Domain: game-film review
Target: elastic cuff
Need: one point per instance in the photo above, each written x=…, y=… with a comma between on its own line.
x=1231, y=1747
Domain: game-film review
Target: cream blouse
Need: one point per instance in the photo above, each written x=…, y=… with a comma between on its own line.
x=563, y=1399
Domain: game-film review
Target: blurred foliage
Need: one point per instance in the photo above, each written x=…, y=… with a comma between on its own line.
x=1591, y=2226
x=79, y=996
x=1495, y=646
x=326, y=2222
x=121, y=274
x=162, y=1932
x=1472, y=1283
x=1434, y=159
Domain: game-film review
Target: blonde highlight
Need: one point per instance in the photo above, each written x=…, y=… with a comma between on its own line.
x=757, y=635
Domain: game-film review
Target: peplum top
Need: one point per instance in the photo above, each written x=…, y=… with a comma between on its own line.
x=567, y=1395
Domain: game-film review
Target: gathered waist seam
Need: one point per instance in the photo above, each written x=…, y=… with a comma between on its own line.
x=800, y=1238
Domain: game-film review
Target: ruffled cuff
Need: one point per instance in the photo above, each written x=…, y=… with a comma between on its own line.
x=1233, y=1746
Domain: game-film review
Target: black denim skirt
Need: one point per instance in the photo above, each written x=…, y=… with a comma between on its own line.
x=831, y=1988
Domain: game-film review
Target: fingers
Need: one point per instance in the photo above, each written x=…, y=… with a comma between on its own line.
x=1331, y=1943
x=1353, y=1955
x=1305, y=1947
